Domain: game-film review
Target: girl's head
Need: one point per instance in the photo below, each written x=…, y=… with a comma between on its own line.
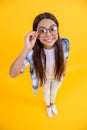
x=42, y=16
x=46, y=25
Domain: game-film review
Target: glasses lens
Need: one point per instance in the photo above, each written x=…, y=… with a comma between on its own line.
x=53, y=30
x=42, y=32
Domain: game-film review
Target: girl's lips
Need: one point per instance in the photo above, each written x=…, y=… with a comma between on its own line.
x=49, y=40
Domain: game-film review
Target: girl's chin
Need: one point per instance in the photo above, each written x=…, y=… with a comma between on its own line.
x=48, y=47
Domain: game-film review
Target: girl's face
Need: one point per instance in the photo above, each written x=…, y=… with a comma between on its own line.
x=48, y=33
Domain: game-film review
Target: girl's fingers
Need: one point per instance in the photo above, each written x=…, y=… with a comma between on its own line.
x=32, y=36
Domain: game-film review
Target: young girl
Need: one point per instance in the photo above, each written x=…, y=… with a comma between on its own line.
x=47, y=54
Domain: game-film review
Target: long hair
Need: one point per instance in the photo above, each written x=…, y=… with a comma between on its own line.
x=39, y=54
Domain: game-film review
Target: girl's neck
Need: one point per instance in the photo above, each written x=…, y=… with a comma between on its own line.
x=48, y=48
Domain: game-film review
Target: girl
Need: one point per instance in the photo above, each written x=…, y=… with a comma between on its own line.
x=47, y=54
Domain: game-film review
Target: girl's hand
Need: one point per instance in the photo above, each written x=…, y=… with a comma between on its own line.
x=30, y=39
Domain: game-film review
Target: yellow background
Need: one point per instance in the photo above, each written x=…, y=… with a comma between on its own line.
x=19, y=108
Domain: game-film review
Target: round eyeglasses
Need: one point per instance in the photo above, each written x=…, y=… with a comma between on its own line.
x=43, y=31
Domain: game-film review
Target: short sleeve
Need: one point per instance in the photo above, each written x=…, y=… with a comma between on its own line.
x=66, y=47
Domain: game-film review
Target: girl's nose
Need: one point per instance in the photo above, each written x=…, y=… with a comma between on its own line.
x=48, y=33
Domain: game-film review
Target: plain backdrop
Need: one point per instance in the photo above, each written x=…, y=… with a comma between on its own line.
x=19, y=108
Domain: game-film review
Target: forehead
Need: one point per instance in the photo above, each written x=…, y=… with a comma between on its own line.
x=46, y=23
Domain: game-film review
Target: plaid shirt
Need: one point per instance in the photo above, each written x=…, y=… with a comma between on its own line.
x=29, y=60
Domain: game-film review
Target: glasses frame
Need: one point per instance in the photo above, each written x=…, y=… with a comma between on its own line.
x=47, y=31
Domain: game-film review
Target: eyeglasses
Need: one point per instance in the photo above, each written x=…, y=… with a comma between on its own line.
x=43, y=31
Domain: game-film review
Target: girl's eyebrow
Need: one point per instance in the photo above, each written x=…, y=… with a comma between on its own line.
x=45, y=28
x=41, y=27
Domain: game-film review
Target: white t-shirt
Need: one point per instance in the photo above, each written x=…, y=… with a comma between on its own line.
x=50, y=63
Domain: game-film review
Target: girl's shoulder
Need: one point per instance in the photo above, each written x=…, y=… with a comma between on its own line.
x=66, y=43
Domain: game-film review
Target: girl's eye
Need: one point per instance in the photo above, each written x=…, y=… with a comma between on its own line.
x=53, y=28
x=43, y=31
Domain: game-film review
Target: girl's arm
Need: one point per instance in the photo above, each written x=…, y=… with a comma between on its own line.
x=65, y=64
x=17, y=64
x=66, y=47
x=30, y=39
